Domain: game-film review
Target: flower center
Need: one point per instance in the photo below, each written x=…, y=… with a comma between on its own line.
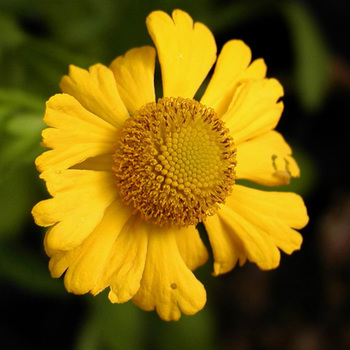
x=175, y=162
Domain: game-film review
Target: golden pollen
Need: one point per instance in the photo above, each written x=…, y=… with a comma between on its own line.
x=175, y=162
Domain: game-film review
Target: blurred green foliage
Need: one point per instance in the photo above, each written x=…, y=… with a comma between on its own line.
x=312, y=61
x=38, y=40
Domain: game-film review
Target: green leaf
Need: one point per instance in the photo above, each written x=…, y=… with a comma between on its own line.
x=312, y=67
x=16, y=152
x=10, y=34
x=26, y=125
x=20, y=135
x=15, y=202
x=19, y=98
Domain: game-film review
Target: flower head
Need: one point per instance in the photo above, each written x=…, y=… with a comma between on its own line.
x=175, y=162
x=131, y=176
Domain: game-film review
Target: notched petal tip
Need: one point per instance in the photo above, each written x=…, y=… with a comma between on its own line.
x=186, y=51
x=176, y=15
x=73, y=71
x=255, y=225
x=182, y=16
x=96, y=91
x=167, y=284
x=134, y=75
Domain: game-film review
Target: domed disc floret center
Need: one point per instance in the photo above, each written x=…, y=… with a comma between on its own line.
x=175, y=162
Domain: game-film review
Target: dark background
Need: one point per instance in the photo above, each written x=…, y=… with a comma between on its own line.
x=304, y=304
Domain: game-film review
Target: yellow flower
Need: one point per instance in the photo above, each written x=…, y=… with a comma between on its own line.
x=131, y=177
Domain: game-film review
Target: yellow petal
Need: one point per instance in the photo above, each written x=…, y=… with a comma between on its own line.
x=87, y=263
x=266, y=159
x=254, y=109
x=186, y=51
x=256, y=70
x=76, y=134
x=103, y=162
x=230, y=70
x=134, y=74
x=191, y=247
x=261, y=222
x=227, y=249
x=80, y=200
x=127, y=261
x=167, y=283
x=97, y=91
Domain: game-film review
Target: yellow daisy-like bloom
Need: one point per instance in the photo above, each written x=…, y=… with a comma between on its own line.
x=131, y=176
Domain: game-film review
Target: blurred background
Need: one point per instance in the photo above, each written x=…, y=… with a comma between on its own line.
x=305, y=303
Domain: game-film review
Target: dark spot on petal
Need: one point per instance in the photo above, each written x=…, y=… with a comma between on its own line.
x=173, y=285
